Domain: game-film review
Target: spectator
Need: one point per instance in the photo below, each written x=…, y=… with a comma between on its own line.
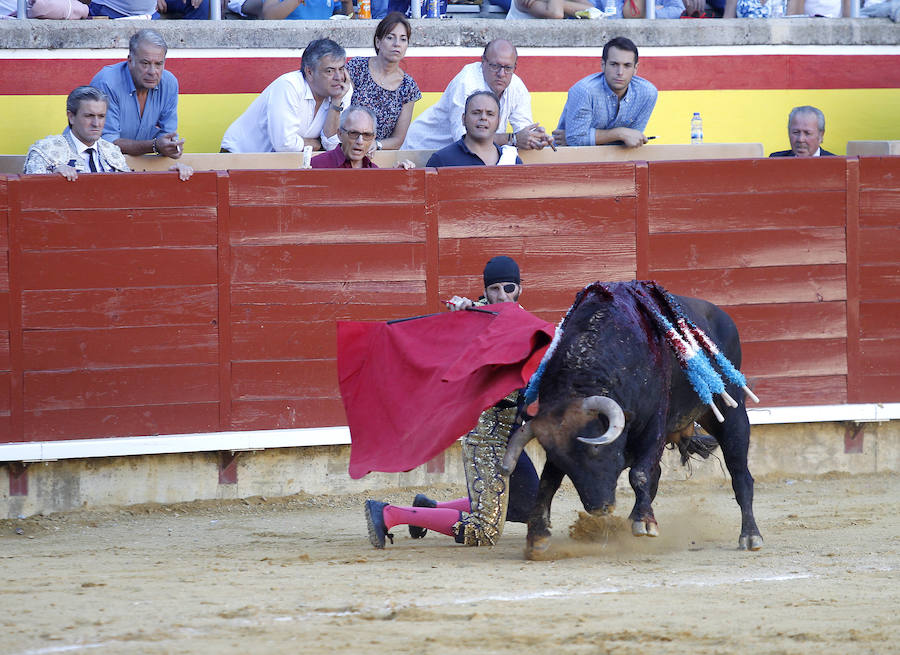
x=143, y=99
x=299, y=108
x=123, y=9
x=806, y=128
x=357, y=132
x=439, y=125
x=612, y=106
x=480, y=118
x=519, y=9
x=297, y=9
x=246, y=8
x=186, y=9
x=664, y=8
x=827, y=8
x=52, y=9
x=748, y=8
x=81, y=147
x=381, y=85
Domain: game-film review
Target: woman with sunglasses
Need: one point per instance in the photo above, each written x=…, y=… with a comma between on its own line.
x=381, y=85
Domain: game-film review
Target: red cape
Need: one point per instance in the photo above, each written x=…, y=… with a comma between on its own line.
x=412, y=388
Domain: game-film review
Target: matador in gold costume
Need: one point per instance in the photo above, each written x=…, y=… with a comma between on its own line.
x=493, y=499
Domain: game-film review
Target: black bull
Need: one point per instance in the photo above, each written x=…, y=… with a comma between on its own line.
x=613, y=380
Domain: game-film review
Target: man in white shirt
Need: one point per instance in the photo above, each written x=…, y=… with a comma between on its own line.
x=81, y=148
x=441, y=124
x=299, y=108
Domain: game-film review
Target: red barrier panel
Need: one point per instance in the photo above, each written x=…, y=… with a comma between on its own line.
x=137, y=304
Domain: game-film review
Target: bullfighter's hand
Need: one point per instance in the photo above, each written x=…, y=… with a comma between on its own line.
x=184, y=171
x=457, y=303
x=405, y=164
x=559, y=137
x=67, y=172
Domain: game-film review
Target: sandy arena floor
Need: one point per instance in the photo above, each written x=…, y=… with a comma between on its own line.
x=297, y=575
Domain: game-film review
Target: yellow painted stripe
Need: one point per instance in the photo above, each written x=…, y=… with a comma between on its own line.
x=730, y=116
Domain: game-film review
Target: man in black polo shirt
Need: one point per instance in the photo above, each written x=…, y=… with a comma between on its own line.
x=481, y=119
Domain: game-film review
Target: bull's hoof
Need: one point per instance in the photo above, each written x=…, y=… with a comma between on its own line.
x=644, y=528
x=536, y=548
x=751, y=542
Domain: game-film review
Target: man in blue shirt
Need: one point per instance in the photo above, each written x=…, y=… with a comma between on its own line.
x=481, y=118
x=612, y=106
x=143, y=99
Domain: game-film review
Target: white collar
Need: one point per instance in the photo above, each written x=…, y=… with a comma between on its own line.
x=80, y=146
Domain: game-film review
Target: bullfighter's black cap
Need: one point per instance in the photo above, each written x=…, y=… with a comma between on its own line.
x=501, y=269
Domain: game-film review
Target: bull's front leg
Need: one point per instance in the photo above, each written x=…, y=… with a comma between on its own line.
x=644, y=479
x=538, y=540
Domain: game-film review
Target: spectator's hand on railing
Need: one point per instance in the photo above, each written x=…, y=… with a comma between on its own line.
x=559, y=137
x=184, y=171
x=632, y=138
x=691, y=6
x=405, y=164
x=169, y=145
x=533, y=137
x=161, y=6
x=457, y=303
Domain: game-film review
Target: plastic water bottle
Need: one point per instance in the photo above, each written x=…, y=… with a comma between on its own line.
x=696, y=128
x=610, y=8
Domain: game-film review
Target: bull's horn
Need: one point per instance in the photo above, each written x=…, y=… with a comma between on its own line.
x=515, y=447
x=614, y=414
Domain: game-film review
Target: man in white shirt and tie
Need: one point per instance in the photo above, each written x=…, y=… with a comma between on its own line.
x=81, y=148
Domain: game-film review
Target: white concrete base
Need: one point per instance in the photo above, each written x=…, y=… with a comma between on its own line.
x=794, y=450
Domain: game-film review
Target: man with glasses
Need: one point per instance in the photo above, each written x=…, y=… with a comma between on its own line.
x=439, y=125
x=476, y=519
x=357, y=134
x=300, y=108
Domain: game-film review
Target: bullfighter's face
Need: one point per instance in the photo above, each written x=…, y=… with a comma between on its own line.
x=87, y=123
x=502, y=292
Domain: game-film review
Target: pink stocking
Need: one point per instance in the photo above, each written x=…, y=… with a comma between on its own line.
x=460, y=505
x=438, y=519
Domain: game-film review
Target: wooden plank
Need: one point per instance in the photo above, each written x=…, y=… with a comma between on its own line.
x=879, y=173
x=121, y=387
x=5, y=400
x=50, y=350
x=113, y=191
x=287, y=341
x=5, y=361
x=223, y=301
x=287, y=413
x=138, y=227
x=350, y=262
x=284, y=379
x=751, y=248
x=134, y=267
x=793, y=208
x=783, y=321
x=790, y=391
x=881, y=282
x=345, y=293
x=879, y=320
x=588, y=218
x=879, y=388
x=308, y=223
x=542, y=181
x=795, y=358
x=880, y=356
x=138, y=420
x=432, y=220
x=642, y=221
x=4, y=270
x=690, y=178
x=97, y=308
x=854, y=257
x=776, y=284
x=880, y=245
x=4, y=310
x=879, y=207
x=307, y=187
x=15, y=284
x=568, y=256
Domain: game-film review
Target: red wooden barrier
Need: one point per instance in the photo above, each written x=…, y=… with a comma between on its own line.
x=137, y=304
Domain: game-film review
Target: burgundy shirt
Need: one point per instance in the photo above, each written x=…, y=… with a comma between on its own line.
x=336, y=159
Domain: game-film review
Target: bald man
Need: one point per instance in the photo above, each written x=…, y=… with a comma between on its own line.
x=439, y=125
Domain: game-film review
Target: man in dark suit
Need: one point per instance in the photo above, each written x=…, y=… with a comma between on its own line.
x=806, y=128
